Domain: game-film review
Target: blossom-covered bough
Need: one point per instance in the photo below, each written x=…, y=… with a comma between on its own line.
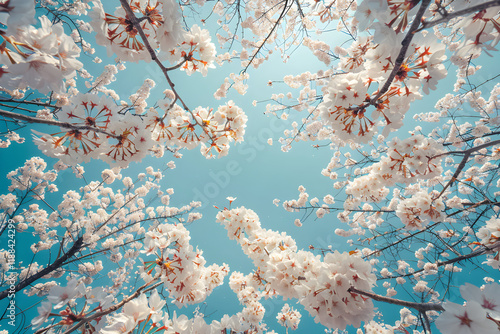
x=416, y=206
x=117, y=134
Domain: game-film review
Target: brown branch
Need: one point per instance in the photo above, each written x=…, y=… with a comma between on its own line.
x=402, y=53
x=19, y=102
x=405, y=44
x=56, y=264
x=136, y=23
x=283, y=13
x=421, y=307
x=340, y=209
x=470, y=150
x=109, y=309
x=478, y=252
x=30, y=119
x=426, y=323
x=461, y=166
x=101, y=251
x=15, y=107
x=448, y=16
x=377, y=251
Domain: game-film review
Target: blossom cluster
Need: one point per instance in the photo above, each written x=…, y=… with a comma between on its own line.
x=322, y=286
x=100, y=130
x=92, y=125
x=289, y=317
x=246, y=288
x=180, y=268
x=161, y=24
x=440, y=188
x=148, y=313
x=92, y=220
x=37, y=58
x=490, y=234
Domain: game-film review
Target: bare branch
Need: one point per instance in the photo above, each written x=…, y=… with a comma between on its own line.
x=467, y=154
x=421, y=307
x=478, y=252
x=448, y=16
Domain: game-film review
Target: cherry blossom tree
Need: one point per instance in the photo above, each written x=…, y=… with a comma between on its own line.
x=414, y=193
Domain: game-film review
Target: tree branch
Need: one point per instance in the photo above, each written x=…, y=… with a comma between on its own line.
x=448, y=16
x=477, y=252
x=402, y=53
x=136, y=22
x=30, y=119
x=19, y=102
x=421, y=307
x=283, y=13
x=378, y=251
x=467, y=154
x=56, y=264
x=109, y=309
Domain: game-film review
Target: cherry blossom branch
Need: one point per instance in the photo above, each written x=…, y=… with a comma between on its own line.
x=472, y=206
x=136, y=23
x=53, y=266
x=467, y=153
x=470, y=150
x=448, y=16
x=104, y=250
x=40, y=104
x=378, y=251
x=456, y=174
x=405, y=44
x=464, y=140
x=111, y=308
x=283, y=13
x=340, y=209
x=66, y=125
x=16, y=107
x=370, y=239
x=421, y=307
x=478, y=252
x=402, y=53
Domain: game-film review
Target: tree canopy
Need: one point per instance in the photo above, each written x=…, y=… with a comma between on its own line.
x=95, y=241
